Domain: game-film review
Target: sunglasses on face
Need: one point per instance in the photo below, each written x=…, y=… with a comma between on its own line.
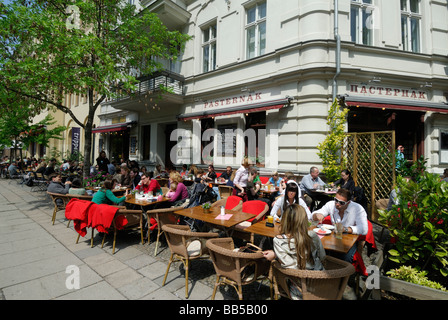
x=342, y=203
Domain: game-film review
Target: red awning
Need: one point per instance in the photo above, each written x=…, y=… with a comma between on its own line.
x=111, y=128
x=422, y=106
x=270, y=105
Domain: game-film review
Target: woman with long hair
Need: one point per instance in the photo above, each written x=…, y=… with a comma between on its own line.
x=296, y=246
x=346, y=181
x=290, y=197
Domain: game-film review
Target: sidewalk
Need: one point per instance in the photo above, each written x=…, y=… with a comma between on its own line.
x=34, y=256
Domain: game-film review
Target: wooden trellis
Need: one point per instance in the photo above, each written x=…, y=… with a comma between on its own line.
x=370, y=157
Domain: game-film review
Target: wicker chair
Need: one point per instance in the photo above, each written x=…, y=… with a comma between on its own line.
x=59, y=202
x=159, y=217
x=236, y=268
x=225, y=191
x=134, y=220
x=328, y=284
x=185, y=245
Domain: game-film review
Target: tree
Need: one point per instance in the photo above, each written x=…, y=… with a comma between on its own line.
x=330, y=148
x=94, y=47
x=15, y=128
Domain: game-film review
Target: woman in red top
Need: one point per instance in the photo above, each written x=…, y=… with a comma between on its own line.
x=148, y=184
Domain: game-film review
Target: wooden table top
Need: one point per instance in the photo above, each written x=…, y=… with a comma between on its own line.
x=198, y=213
x=143, y=203
x=329, y=241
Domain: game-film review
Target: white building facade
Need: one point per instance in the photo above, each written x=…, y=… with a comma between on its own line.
x=263, y=74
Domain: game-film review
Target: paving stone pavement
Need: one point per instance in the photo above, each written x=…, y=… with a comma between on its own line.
x=35, y=255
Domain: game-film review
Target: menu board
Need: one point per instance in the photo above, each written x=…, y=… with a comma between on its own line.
x=228, y=135
x=133, y=145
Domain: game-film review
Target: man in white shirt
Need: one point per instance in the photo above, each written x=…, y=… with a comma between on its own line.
x=351, y=214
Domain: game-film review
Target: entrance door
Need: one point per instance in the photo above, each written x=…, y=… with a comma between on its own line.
x=169, y=145
x=119, y=145
x=408, y=127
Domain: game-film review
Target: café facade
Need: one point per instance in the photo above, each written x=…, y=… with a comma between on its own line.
x=257, y=79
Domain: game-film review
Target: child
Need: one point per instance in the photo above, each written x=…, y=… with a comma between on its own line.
x=173, y=187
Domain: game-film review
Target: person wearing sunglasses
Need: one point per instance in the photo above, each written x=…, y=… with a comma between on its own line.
x=351, y=214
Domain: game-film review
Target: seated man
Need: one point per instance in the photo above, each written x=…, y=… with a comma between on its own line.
x=56, y=185
x=351, y=214
x=13, y=169
x=309, y=183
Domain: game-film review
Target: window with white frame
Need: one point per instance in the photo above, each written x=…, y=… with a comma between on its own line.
x=209, y=48
x=410, y=25
x=361, y=27
x=256, y=30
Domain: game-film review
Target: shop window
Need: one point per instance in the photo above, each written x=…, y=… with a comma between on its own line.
x=255, y=137
x=207, y=141
x=361, y=15
x=256, y=30
x=444, y=146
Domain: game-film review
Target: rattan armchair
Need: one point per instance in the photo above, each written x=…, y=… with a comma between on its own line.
x=185, y=245
x=161, y=216
x=236, y=268
x=134, y=220
x=328, y=284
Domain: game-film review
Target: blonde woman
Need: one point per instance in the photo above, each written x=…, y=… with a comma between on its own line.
x=181, y=190
x=296, y=246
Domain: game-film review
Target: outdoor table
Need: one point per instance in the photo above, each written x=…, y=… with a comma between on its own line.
x=329, y=241
x=230, y=219
x=144, y=202
x=267, y=193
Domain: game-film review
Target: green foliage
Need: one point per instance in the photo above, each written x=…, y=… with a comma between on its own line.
x=45, y=54
x=96, y=179
x=330, y=148
x=418, y=223
x=412, y=275
x=414, y=171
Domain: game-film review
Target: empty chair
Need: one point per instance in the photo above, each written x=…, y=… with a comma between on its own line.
x=157, y=218
x=236, y=268
x=328, y=284
x=185, y=245
x=225, y=191
x=125, y=219
x=59, y=202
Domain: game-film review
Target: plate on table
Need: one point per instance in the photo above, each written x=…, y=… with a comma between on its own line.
x=322, y=232
x=328, y=226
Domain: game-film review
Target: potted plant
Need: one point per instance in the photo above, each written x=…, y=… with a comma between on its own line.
x=418, y=226
x=206, y=207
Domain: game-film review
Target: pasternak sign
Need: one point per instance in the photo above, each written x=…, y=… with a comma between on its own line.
x=233, y=101
x=388, y=92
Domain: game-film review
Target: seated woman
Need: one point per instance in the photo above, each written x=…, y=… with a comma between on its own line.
x=181, y=193
x=76, y=187
x=346, y=181
x=296, y=246
x=290, y=197
x=106, y=196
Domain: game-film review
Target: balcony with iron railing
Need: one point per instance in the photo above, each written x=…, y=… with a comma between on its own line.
x=165, y=84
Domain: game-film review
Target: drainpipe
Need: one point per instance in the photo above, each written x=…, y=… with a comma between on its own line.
x=338, y=47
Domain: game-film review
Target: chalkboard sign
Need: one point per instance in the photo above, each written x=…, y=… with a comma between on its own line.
x=228, y=135
x=133, y=145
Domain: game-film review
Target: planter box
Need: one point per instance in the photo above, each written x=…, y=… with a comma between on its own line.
x=411, y=290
